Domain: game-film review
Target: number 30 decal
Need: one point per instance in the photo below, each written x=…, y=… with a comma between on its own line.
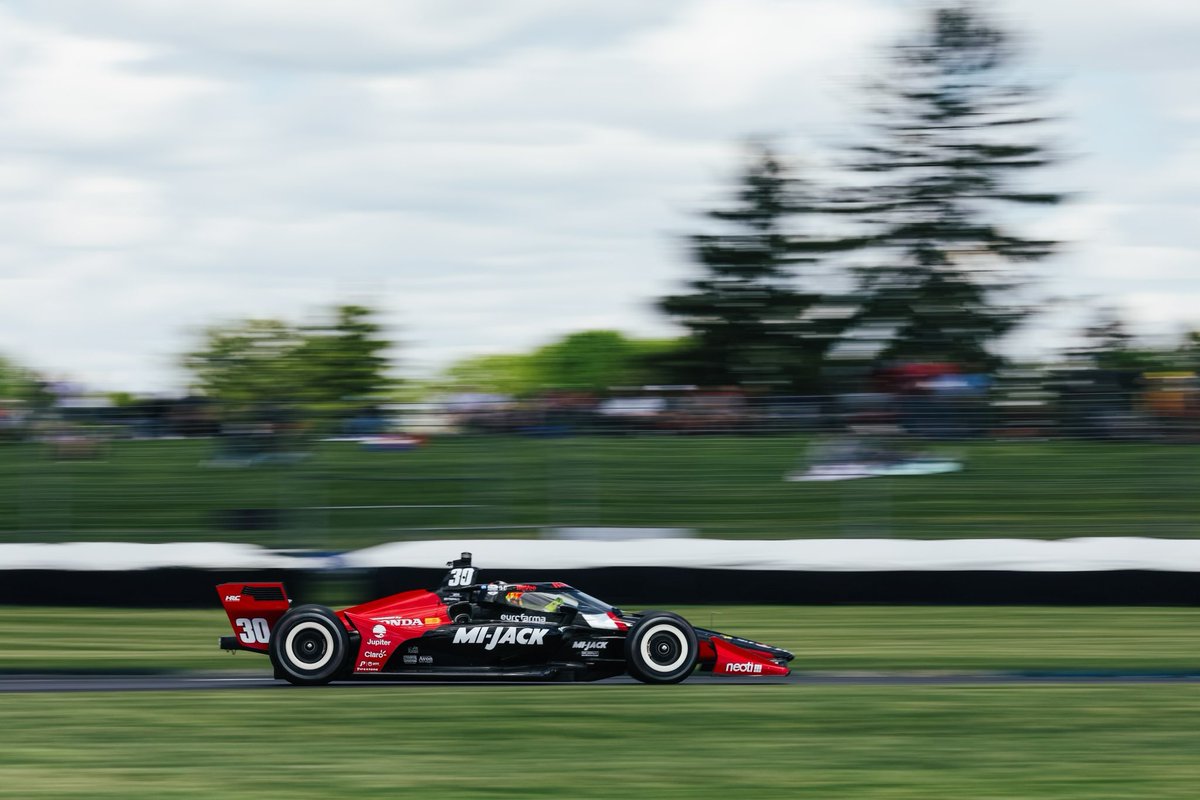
x=461, y=576
x=253, y=630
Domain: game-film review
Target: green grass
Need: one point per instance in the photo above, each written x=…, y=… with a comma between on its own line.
x=725, y=486
x=923, y=743
x=601, y=741
x=823, y=638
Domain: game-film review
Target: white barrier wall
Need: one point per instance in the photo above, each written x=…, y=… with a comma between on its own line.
x=807, y=555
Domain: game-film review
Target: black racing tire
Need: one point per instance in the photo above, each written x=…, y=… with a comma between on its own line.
x=661, y=647
x=309, y=646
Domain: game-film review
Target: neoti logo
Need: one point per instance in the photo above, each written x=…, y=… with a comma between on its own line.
x=746, y=666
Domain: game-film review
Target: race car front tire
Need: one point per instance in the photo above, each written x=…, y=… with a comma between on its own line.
x=661, y=648
x=309, y=645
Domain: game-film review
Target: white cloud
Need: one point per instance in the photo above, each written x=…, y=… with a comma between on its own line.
x=299, y=36
x=724, y=55
x=1165, y=315
x=99, y=212
x=63, y=91
x=1117, y=36
x=489, y=175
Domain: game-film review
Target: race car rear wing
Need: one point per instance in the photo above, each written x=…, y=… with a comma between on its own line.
x=253, y=609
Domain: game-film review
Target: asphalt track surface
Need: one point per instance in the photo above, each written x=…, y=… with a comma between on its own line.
x=33, y=683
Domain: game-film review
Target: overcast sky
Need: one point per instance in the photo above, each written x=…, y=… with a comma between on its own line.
x=493, y=175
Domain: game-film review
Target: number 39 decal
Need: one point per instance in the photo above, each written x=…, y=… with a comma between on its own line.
x=253, y=630
x=461, y=576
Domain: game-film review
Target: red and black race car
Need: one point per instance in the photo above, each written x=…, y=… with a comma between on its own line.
x=472, y=630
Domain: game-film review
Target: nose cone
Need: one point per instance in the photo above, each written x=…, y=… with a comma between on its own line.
x=732, y=659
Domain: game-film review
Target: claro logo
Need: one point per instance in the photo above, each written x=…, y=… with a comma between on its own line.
x=490, y=637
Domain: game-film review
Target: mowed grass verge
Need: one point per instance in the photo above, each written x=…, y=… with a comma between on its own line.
x=906, y=638
x=343, y=497
x=597, y=741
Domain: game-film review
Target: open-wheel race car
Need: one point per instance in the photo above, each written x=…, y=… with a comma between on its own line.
x=472, y=630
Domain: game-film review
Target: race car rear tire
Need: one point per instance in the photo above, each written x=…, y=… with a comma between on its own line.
x=661, y=648
x=309, y=645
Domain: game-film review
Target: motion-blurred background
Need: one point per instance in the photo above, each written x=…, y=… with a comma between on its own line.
x=319, y=277
x=1046, y=453
x=622, y=266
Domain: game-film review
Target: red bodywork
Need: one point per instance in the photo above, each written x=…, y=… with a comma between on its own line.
x=253, y=609
x=732, y=659
x=387, y=623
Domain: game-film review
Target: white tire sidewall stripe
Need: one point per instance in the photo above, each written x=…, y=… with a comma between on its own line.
x=291, y=655
x=644, y=647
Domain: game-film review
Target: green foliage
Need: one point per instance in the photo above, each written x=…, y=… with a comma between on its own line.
x=19, y=384
x=248, y=364
x=952, y=131
x=123, y=399
x=508, y=374
x=9, y=377
x=591, y=361
x=596, y=361
x=327, y=369
x=343, y=361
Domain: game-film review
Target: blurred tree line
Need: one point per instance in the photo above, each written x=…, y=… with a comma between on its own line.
x=324, y=372
x=1107, y=344
x=592, y=361
x=20, y=386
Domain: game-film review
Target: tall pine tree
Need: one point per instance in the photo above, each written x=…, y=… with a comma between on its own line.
x=952, y=132
x=747, y=315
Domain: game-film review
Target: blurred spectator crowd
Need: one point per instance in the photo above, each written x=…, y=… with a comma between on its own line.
x=926, y=400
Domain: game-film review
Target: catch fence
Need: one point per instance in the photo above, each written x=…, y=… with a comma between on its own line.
x=852, y=466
